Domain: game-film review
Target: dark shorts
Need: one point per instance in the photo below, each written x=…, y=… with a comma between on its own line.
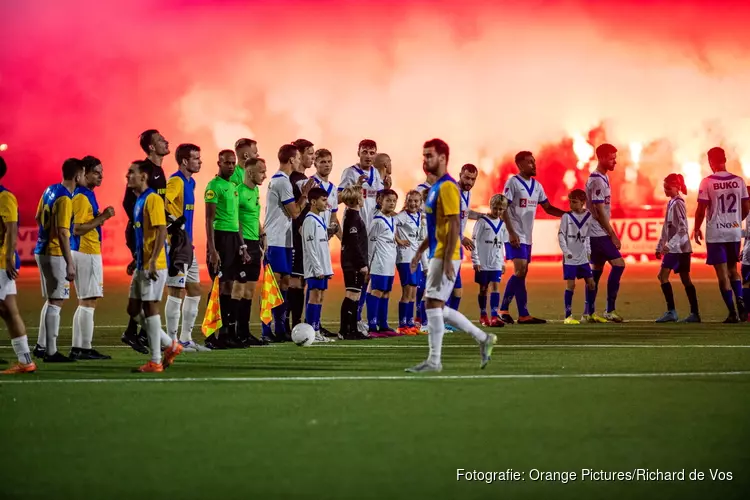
x=354, y=281
x=523, y=252
x=723, y=253
x=250, y=272
x=298, y=263
x=280, y=259
x=745, y=273
x=407, y=277
x=577, y=271
x=677, y=262
x=228, y=245
x=484, y=278
x=316, y=284
x=603, y=250
x=381, y=283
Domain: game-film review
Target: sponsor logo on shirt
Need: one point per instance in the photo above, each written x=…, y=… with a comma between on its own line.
x=210, y=194
x=728, y=225
x=523, y=202
x=726, y=185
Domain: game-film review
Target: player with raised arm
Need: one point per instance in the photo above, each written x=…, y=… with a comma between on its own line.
x=54, y=216
x=488, y=257
x=150, y=276
x=724, y=196
x=524, y=194
x=86, y=249
x=443, y=208
x=317, y=258
x=605, y=245
x=10, y=264
x=281, y=209
x=184, y=288
x=674, y=246
x=573, y=237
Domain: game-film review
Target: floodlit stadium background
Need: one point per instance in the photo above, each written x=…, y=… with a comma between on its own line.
x=662, y=81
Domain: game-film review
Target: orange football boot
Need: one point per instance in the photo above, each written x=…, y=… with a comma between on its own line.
x=172, y=352
x=20, y=368
x=151, y=367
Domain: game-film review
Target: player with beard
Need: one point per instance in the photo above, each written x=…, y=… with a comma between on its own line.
x=156, y=148
x=245, y=149
x=382, y=164
x=524, y=194
x=296, y=292
x=605, y=245
x=443, y=208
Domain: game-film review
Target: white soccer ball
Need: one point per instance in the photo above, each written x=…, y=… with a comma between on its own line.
x=303, y=335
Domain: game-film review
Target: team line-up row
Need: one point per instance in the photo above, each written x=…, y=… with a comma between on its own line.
x=419, y=242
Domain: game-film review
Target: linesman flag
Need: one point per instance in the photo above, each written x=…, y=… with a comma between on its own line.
x=212, y=319
x=270, y=296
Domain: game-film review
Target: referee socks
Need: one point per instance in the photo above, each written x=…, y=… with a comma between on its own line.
x=296, y=305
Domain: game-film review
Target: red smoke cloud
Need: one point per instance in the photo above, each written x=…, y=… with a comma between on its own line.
x=86, y=77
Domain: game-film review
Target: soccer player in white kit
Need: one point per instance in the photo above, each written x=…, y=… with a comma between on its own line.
x=86, y=248
x=409, y=229
x=724, y=195
x=488, y=257
x=524, y=194
x=317, y=258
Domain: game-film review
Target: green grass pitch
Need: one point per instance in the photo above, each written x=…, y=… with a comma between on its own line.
x=344, y=420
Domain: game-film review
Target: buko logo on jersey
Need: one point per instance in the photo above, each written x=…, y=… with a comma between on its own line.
x=726, y=185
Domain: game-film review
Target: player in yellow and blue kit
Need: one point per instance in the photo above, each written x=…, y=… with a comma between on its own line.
x=54, y=216
x=86, y=247
x=443, y=208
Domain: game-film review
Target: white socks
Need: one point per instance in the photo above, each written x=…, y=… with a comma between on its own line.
x=42, y=337
x=172, y=312
x=77, y=342
x=86, y=324
x=436, y=329
x=189, y=315
x=156, y=337
x=461, y=322
x=21, y=348
x=52, y=328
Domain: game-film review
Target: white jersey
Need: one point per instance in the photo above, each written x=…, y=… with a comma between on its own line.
x=574, y=234
x=316, y=255
x=489, y=238
x=523, y=197
x=674, y=233
x=723, y=192
x=409, y=228
x=746, y=246
x=370, y=188
x=278, y=224
x=598, y=192
x=333, y=196
x=464, y=216
x=382, y=245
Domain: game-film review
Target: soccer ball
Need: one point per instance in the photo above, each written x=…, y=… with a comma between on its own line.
x=303, y=335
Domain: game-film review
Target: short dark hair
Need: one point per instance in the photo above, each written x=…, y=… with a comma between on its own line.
x=251, y=162
x=70, y=168
x=441, y=147
x=605, y=149
x=322, y=153
x=316, y=193
x=717, y=155
x=367, y=144
x=90, y=163
x=3, y=167
x=387, y=192
x=146, y=138
x=287, y=152
x=521, y=155
x=470, y=167
x=577, y=194
x=302, y=145
x=183, y=152
x=241, y=143
x=226, y=152
x=144, y=167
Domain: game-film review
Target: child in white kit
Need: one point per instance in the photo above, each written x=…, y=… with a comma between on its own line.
x=489, y=237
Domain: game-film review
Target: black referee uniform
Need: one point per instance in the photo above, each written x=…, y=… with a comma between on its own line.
x=354, y=254
x=296, y=296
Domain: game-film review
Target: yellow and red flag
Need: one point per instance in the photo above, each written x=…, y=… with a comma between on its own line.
x=270, y=295
x=212, y=319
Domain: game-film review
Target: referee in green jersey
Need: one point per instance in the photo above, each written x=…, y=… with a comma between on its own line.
x=245, y=149
x=226, y=246
x=252, y=233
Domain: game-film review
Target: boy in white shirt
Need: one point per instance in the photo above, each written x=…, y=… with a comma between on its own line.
x=382, y=257
x=573, y=237
x=316, y=257
x=409, y=225
x=488, y=257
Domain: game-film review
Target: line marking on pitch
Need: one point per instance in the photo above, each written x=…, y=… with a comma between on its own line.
x=528, y=376
x=360, y=345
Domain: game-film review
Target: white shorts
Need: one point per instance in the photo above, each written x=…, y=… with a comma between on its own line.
x=7, y=285
x=146, y=290
x=191, y=274
x=438, y=286
x=89, y=280
x=52, y=273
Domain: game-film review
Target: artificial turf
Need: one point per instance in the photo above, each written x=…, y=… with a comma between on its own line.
x=344, y=421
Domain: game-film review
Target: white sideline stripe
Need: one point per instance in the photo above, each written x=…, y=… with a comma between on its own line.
x=378, y=377
x=368, y=345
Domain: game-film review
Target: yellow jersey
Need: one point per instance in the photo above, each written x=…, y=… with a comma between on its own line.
x=55, y=210
x=443, y=201
x=85, y=209
x=8, y=213
x=148, y=214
